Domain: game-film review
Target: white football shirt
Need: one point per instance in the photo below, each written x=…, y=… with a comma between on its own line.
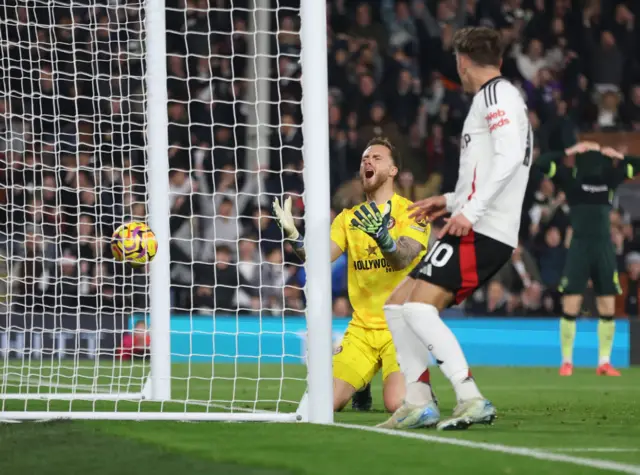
x=495, y=158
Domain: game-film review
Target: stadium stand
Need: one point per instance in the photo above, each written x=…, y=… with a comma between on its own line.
x=391, y=73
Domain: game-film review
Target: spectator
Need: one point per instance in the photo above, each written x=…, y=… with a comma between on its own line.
x=607, y=64
x=221, y=210
x=366, y=99
x=631, y=110
x=608, y=116
x=264, y=226
x=365, y=28
x=532, y=62
x=249, y=262
x=551, y=257
x=521, y=279
x=273, y=280
x=216, y=286
x=497, y=299
x=400, y=24
x=379, y=126
x=286, y=151
x=136, y=344
x=405, y=100
x=548, y=208
x=628, y=302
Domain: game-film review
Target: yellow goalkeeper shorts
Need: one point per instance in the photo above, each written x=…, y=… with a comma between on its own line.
x=362, y=353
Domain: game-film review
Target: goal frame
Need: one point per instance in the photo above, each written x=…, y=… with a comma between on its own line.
x=316, y=405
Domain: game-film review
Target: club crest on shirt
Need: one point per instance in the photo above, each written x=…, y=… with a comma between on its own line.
x=337, y=349
x=420, y=225
x=391, y=223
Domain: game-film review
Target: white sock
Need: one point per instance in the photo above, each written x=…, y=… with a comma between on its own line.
x=426, y=323
x=412, y=354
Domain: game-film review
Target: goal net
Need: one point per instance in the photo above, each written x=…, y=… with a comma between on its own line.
x=215, y=327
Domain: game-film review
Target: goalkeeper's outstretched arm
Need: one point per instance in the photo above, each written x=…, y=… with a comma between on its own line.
x=298, y=248
x=285, y=220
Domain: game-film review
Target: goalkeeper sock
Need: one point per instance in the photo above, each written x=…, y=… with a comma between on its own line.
x=567, y=337
x=606, y=331
x=426, y=323
x=412, y=357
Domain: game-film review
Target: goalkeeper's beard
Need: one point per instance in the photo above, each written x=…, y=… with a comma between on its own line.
x=370, y=186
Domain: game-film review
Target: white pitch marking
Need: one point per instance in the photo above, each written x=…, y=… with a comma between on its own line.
x=506, y=449
x=100, y=390
x=595, y=449
x=602, y=388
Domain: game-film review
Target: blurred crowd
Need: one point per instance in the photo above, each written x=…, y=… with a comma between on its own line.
x=73, y=151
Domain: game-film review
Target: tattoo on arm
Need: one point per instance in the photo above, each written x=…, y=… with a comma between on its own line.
x=407, y=250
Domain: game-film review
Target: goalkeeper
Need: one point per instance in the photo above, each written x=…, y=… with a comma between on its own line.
x=383, y=244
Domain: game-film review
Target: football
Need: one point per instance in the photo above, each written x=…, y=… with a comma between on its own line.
x=134, y=243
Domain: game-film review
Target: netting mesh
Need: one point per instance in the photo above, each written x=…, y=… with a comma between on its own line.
x=74, y=165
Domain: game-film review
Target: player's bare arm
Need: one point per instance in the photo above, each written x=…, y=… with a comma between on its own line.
x=407, y=249
x=285, y=220
x=335, y=252
x=612, y=153
x=582, y=147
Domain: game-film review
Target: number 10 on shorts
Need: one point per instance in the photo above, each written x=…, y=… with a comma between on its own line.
x=438, y=256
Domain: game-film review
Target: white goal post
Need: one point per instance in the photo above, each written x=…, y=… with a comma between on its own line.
x=170, y=112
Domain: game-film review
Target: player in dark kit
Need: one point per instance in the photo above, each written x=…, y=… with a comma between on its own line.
x=589, y=176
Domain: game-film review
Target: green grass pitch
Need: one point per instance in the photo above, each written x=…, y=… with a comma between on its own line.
x=537, y=410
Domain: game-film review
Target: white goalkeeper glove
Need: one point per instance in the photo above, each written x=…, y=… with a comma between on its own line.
x=284, y=218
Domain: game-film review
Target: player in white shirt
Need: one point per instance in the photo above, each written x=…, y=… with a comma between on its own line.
x=480, y=236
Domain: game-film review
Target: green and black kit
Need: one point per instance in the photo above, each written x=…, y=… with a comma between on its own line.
x=589, y=186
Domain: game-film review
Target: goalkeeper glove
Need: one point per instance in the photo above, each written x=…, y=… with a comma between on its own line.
x=375, y=224
x=284, y=218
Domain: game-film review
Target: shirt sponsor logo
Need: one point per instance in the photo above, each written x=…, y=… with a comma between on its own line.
x=371, y=264
x=495, y=115
x=595, y=188
x=499, y=116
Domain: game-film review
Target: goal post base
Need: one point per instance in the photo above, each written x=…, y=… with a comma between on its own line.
x=303, y=408
x=150, y=416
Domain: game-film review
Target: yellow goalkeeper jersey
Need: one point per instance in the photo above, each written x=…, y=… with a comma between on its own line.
x=371, y=279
